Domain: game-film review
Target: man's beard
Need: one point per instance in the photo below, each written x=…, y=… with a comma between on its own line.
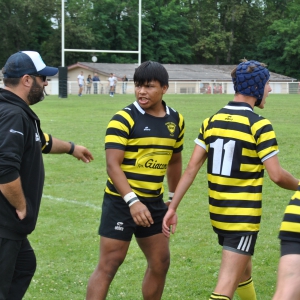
x=36, y=93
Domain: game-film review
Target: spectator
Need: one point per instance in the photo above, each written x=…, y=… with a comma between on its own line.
x=96, y=81
x=124, y=85
x=89, y=82
x=115, y=84
x=208, y=89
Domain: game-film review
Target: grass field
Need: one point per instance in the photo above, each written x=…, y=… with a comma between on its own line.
x=66, y=240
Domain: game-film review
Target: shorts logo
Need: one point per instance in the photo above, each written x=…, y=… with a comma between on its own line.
x=119, y=226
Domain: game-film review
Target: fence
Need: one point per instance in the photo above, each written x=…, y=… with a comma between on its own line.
x=177, y=87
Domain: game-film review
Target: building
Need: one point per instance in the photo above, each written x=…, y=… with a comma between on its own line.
x=184, y=79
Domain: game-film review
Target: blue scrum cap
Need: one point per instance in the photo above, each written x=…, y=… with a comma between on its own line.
x=250, y=80
x=26, y=62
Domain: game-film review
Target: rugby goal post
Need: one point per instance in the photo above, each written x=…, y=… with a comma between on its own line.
x=63, y=49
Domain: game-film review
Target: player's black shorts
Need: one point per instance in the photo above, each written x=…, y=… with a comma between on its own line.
x=289, y=247
x=117, y=222
x=239, y=244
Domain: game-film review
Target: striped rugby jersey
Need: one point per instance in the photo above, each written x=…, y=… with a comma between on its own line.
x=149, y=143
x=290, y=226
x=237, y=141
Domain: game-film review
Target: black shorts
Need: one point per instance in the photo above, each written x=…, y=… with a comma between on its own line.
x=117, y=222
x=289, y=247
x=239, y=244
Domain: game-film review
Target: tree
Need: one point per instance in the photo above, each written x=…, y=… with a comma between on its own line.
x=27, y=25
x=166, y=32
x=280, y=48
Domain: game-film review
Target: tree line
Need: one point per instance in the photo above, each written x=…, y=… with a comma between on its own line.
x=173, y=31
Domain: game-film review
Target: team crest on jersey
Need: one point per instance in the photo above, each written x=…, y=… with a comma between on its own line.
x=171, y=127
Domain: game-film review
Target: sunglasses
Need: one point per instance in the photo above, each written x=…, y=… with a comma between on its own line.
x=44, y=78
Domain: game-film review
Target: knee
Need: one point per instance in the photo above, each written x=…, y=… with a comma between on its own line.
x=166, y=264
x=160, y=266
x=109, y=267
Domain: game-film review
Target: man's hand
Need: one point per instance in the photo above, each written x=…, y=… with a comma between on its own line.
x=140, y=214
x=21, y=213
x=82, y=153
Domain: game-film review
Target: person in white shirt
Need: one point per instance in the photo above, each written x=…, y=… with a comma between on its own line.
x=112, y=83
x=80, y=79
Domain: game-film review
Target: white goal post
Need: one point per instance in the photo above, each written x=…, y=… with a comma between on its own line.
x=63, y=49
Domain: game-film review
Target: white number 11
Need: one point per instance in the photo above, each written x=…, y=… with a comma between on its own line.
x=217, y=158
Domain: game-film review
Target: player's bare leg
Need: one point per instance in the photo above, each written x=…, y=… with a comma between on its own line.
x=235, y=268
x=288, y=281
x=156, y=250
x=112, y=255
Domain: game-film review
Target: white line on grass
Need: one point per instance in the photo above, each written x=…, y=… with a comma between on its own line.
x=86, y=204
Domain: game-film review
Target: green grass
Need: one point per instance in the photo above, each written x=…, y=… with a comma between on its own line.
x=66, y=241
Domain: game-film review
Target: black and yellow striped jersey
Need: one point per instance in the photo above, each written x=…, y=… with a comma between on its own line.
x=290, y=226
x=237, y=142
x=148, y=143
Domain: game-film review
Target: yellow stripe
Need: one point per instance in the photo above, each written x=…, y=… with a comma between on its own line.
x=152, y=141
x=230, y=134
x=234, y=118
x=118, y=125
x=110, y=192
x=126, y=116
x=267, y=136
x=296, y=195
x=234, y=181
x=180, y=124
x=47, y=138
x=258, y=125
x=115, y=139
x=248, y=152
x=256, y=212
x=235, y=196
x=236, y=226
x=290, y=226
x=251, y=168
x=267, y=151
x=293, y=209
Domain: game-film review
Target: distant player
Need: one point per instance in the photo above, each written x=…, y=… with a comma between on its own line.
x=80, y=79
x=112, y=84
x=238, y=145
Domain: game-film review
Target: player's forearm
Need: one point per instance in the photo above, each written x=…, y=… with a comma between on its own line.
x=287, y=181
x=13, y=192
x=173, y=175
x=182, y=187
x=119, y=180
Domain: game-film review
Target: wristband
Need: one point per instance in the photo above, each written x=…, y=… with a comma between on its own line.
x=170, y=196
x=131, y=198
x=72, y=148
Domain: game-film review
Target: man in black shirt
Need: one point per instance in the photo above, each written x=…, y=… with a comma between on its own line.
x=21, y=167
